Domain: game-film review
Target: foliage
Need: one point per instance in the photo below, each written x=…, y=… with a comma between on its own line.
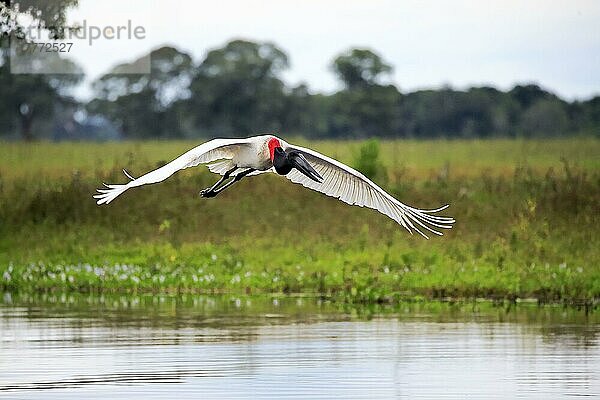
x=526, y=227
x=30, y=101
x=238, y=90
x=144, y=106
x=367, y=160
x=360, y=68
x=49, y=15
x=365, y=111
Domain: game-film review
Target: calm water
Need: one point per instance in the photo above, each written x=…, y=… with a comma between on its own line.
x=258, y=347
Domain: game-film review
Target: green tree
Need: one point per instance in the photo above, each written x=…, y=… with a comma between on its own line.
x=238, y=90
x=527, y=95
x=142, y=104
x=360, y=67
x=364, y=107
x=545, y=118
x=590, y=118
x=28, y=99
x=477, y=112
x=45, y=14
x=365, y=112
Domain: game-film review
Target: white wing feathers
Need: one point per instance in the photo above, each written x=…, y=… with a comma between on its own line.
x=352, y=187
x=205, y=153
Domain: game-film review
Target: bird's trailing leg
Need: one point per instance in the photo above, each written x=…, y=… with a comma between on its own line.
x=235, y=179
x=215, y=190
x=210, y=192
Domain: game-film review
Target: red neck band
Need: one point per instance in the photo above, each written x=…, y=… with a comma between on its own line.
x=272, y=144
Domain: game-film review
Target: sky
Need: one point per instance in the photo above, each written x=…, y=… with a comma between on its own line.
x=429, y=43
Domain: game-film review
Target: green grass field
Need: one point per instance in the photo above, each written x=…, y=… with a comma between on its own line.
x=527, y=224
x=419, y=158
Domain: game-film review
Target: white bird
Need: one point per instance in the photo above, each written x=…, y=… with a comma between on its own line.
x=237, y=158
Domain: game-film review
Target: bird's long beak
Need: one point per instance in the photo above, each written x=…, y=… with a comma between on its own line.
x=301, y=164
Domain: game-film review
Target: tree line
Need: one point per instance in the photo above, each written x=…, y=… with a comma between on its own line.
x=238, y=90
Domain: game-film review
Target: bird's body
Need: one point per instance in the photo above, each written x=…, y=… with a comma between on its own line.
x=253, y=153
x=237, y=158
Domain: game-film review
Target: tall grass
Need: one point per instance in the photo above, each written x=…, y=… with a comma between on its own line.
x=419, y=158
x=526, y=227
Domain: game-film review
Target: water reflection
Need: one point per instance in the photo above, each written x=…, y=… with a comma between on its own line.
x=240, y=347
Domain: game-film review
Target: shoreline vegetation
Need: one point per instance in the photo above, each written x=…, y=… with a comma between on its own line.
x=527, y=216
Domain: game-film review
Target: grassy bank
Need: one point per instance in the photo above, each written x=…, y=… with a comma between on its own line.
x=527, y=225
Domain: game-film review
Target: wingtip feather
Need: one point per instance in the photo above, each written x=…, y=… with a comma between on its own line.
x=105, y=196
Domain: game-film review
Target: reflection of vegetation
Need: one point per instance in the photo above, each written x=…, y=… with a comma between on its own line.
x=239, y=310
x=522, y=231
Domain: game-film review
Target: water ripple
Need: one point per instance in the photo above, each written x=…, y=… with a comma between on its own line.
x=285, y=351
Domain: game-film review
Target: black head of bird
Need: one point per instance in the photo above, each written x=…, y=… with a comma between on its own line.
x=284, y=162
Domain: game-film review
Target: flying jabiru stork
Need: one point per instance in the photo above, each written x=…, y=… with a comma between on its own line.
x=237, y=158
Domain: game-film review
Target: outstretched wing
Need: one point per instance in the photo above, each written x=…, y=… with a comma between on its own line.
x=352, y=187
x=213, y=150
